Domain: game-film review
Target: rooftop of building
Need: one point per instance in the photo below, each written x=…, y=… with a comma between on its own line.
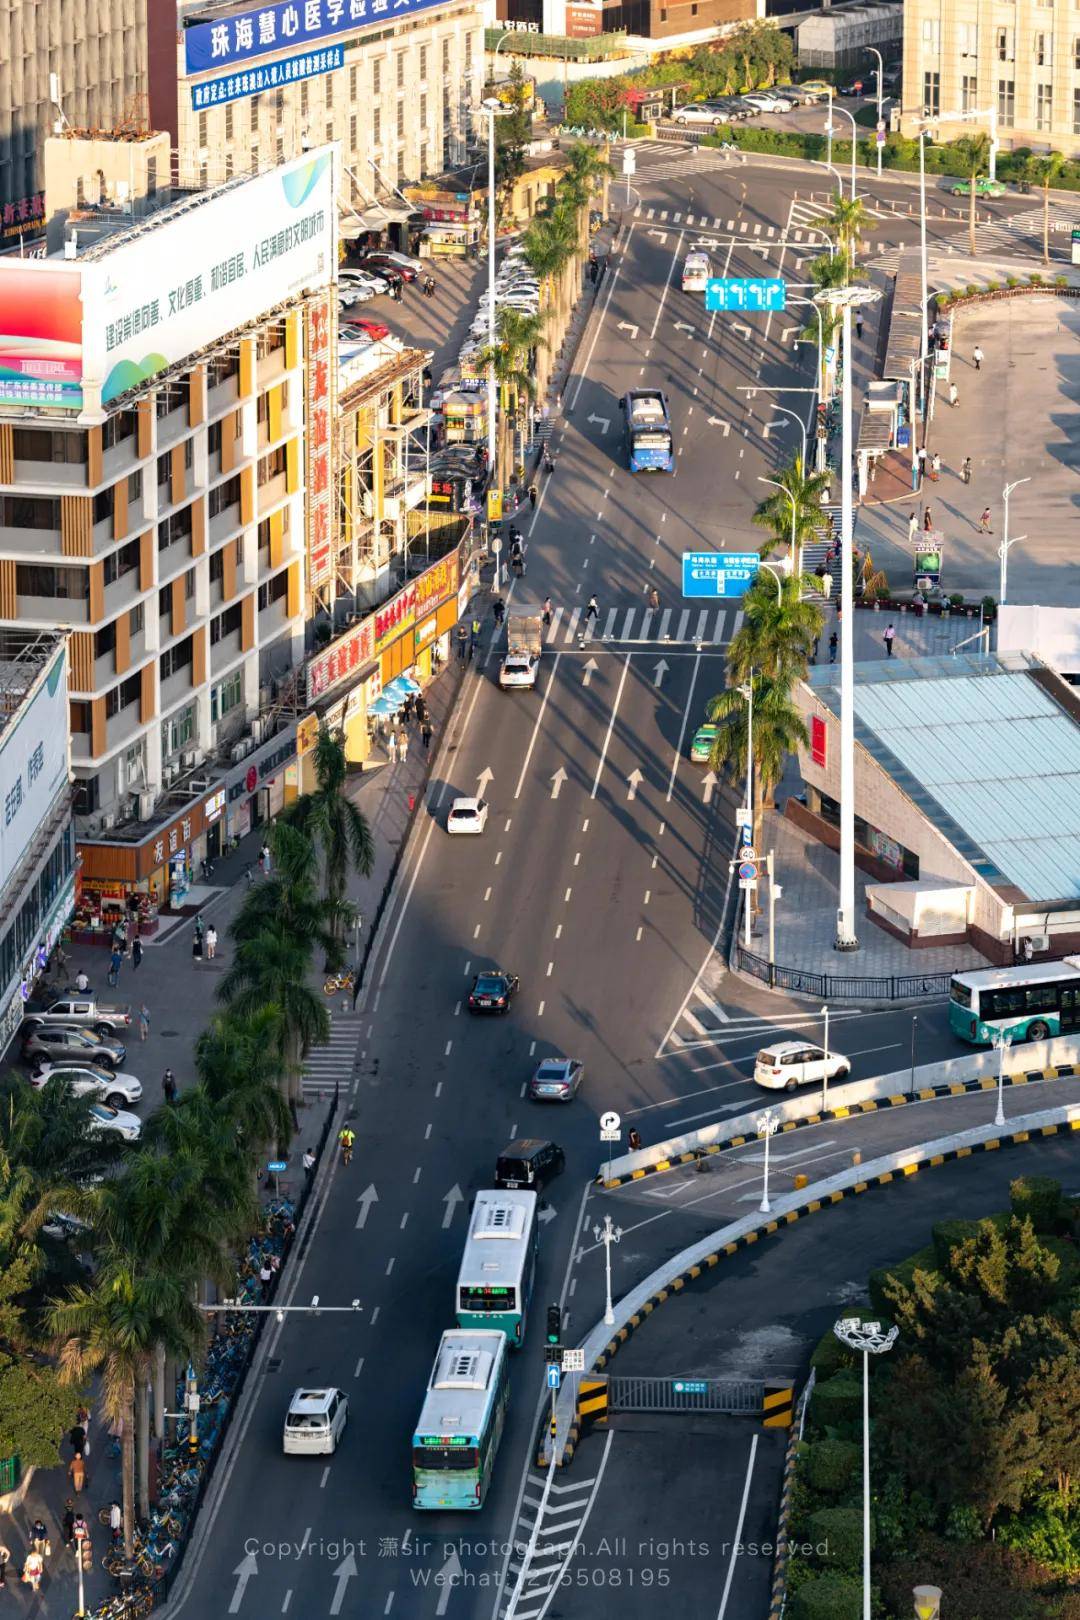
x=24, y=655
x=988, y=748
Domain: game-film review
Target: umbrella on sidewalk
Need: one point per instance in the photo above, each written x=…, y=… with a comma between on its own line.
x=403, y=684
x=386, y=703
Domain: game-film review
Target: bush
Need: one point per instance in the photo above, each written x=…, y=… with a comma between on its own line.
x=904, y=1272
x=837, y=1536
x=831, y=1465
x=1040, y=1199
x=947, y=1235
x=836, y=1403
x=830, y=1597
x=989, y=609
x=983, y=1580
x=830, y=1355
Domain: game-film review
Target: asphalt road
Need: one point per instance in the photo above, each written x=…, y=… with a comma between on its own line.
x=601, y=880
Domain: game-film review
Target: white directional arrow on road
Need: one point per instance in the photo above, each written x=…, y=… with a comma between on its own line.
x=344, y=1573
x=741, y=326
x=547, y=1214
x=483, y=779
x=660, y=671
x=243, y=1573
x=787, y=332
x=708, y=782
x=625, y=326
x=661, y=235
x=708, y=242
x=557, y=781
x=604, y=421
x=634, y=781
x=452, y=1199
x=684, y=326
x=586, y=676
x=447, y=1578
x=368, y=1197
x=717, y=421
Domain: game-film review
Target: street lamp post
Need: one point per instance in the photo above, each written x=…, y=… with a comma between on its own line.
x=914, y=1032
x=854, y=139
x=494, y=109
x=846, y=939
x=825, y=1075
x=1001, y=1045
x=747, y=691
x=767, y=1126
x=775, y=891
x=776, y=484
x=607, y=1235
x=1003, y=549
x=868, y=1339
x=879, y=70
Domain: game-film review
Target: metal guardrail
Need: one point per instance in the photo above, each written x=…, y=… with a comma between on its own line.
x=742, y=1397
x=841, y=986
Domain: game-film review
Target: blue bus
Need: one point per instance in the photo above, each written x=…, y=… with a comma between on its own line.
x=647, y=420
x=461, y=1423
x=498, y=1267
x=1026, y=1003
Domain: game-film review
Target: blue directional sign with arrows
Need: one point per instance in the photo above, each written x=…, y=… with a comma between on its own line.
x=759, y=294
x=718, y=573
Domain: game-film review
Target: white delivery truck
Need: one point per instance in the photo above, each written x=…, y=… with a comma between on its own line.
x=524, y=642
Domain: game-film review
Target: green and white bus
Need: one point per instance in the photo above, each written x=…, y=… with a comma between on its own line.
x=461, y=1424
x=498, y=1267
x=1026, y=1003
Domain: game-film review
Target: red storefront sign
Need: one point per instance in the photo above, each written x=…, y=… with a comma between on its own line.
x=318, y=503
x=584, y=21
x=434, y=585
x=819, y=740
x=344, y=657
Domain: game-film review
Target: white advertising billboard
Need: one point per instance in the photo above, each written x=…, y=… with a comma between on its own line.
x=33, y=762
x=111, y=324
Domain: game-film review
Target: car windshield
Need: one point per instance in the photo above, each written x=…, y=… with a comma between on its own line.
x=553, y=1069
x=490, y=984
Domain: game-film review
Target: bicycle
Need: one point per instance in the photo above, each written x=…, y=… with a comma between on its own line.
x=346, y=1145
x=345, y=980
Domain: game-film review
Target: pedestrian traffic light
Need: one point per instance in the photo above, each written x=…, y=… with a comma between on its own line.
x=554, y=1324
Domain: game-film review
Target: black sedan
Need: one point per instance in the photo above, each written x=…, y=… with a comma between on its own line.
x=53, y=1043
x=492, y=992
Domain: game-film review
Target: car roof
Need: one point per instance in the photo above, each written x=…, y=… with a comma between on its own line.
x=525, y=1147
x=785, y=1048
x=465, y=804
x=312, y=1400
x=556, y=1064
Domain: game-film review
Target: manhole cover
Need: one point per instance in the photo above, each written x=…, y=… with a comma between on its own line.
x=274, y=1364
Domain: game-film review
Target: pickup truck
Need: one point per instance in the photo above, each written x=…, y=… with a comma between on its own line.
x=524, y=643
x=81, y=1012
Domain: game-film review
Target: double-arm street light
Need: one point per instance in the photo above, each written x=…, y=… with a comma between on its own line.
x=494, y=109
x=833, y=108
x=866, y=1339
x=1003, y=549
x=879, y=70
x=846, y=299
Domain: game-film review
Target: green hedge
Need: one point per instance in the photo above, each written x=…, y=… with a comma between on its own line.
x=923, y=1260
x=831, y=1597
x=837, y=1535
x=831, y=1465
x=1040, y=1198
x=836, y=1403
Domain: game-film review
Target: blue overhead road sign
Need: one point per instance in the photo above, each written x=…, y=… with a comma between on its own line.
x=718, y=573
x=755, y=293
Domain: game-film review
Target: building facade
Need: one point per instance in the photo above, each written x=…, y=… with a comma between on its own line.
x=155, y=466
x=1021, y=59
x=37, y=843
x=98, y=53
x=241, y=88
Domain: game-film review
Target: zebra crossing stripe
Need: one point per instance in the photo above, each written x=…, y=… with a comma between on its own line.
x=609, y=626
x=684, y=620
x=571, y=625
x=730, y=225
x=628, y=623
x=665, y=621
x=554, y=625
x=703, y=619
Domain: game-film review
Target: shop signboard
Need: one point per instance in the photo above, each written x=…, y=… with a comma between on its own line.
x=214, y=805
x=307, y=734
x=319, y=443
x=246, y=33
x=819, y=740
x=440, y=207
x=342, y=659
x=269, y=76
x=426, y=591
x=33, y=762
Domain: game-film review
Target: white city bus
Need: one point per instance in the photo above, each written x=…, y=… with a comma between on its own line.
x=1026, y=1003
x=461, y=1423
x=499, y=1264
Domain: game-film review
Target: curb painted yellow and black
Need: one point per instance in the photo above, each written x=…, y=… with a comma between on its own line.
x=873, y=1105
x=783, y=1524
x=768, y=1228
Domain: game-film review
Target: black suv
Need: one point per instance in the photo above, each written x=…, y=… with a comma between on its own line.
x=529, y=1163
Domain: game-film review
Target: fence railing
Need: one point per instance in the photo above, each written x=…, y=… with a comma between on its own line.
x=841, y=986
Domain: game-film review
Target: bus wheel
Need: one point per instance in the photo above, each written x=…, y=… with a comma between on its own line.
x=1037, y=1031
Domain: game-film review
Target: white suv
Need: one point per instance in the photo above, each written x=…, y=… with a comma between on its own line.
x=786, y=1065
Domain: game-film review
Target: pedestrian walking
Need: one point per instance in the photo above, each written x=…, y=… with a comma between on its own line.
x=115, y=961
x=833, y=642
x=33, y=1570
x=168, y=1087
x=935, y=467
x=403, y=746
x=136, y=952
x=965, y=470
x=266, y=1277
x=462, y=642
x=82, y=983
x=954, y=395
x=474, y=635
x=116, y=1522
x=264, y=859
x=912, y=527
x=826, y=586
x=309, y=1163
x=200, y=927
x=77, y=1437
x=68, y=1522
x=927, y=520
x=391, y=747
x=77, y=1475
x=633, y=1141
x=532, y=496
x=39, y=1537
x=592, y=611
x=144, y=1021
x=196, y=946
x=978, y=357
x=426, y=732
x=920, y=457
x=80, y=1530
x=890, y=633
x=547, y=611
x=654, y=600
x=211, y=942
x=858, y=324
x=984, y=522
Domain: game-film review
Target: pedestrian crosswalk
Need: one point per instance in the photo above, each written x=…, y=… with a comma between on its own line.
x=528, y=1591
x=1018, y=236
x=332, y=1065
x=696, y=627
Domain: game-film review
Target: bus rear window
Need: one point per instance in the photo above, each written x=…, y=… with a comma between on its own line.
x=960, y=993
x=652, y=441
x=445, y=1459
x=486, y=1299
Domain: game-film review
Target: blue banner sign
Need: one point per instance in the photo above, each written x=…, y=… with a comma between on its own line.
x=690, y=1386
x=253, y=81
x=285, y=25
x=718, y=573
x=756, y=294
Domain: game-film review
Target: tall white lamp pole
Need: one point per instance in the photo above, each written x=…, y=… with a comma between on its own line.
x=607, y=1235
x=868, y=1339
x=494, y=109
x=767, y=1126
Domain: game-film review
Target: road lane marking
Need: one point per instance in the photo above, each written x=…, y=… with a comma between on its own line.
x=737, y=1543
x=600, y=323
x=536, y=726
x=358, y=1369
x=682, y=727
x=675, y=257
x=325, y=1477
x=611, y=726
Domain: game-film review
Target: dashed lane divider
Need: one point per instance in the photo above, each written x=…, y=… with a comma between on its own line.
x=690, y=1273
x=1060, y=1071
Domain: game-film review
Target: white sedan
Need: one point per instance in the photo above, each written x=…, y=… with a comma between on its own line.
x=786, y=1065
x=697, y=114
x=519, y=669
x=87, y=1080
x=115, y=1120
x=467, y=816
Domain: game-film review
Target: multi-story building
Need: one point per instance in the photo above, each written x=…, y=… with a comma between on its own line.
x=242, y=87
x=82, y=64
x=160, y=491
x=1021, y=59
x=37, y=842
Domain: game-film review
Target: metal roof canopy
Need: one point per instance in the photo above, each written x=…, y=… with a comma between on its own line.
x=987, y=755
x=905, y=330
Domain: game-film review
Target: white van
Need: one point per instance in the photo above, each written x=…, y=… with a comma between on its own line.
x=696, y=272
x=315, y=1422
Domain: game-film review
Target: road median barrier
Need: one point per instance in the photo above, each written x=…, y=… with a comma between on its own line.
x=603, y=1343
x=1057, y=1059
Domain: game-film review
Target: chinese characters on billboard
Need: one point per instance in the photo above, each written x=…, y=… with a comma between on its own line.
x=320, y=503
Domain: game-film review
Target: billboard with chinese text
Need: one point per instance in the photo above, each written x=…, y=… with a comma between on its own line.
x=33, y=762
x=320, y=504
x=286, y=25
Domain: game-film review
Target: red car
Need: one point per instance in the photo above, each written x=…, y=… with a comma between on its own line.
x=374, y=329
x=394, y=263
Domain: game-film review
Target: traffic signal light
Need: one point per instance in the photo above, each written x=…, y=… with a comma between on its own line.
x=554, y=1324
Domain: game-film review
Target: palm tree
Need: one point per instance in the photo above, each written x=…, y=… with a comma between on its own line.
x=237, y=1069
x=973, y=152
x=1044, y=171
x=777, y=634
x=269, y=972
x=793, y=511
x=331, y=821
x=512, y=358
x=550, y=244
x=779, y=730
x=585, y=174
x=289, y=901
x=844, y=226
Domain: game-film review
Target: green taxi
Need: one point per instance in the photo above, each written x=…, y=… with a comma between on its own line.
x=984, y=187
x=701, y=747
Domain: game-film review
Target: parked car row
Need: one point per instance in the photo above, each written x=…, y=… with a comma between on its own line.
x=375, y=274
x=718, y=110
x=516, y=287
x=74, y=1042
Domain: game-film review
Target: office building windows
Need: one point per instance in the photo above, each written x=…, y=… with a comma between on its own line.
x=1006, y=101
x=931, y=94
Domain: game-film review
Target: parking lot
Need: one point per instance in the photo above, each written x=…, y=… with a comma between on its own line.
x=438, y=323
